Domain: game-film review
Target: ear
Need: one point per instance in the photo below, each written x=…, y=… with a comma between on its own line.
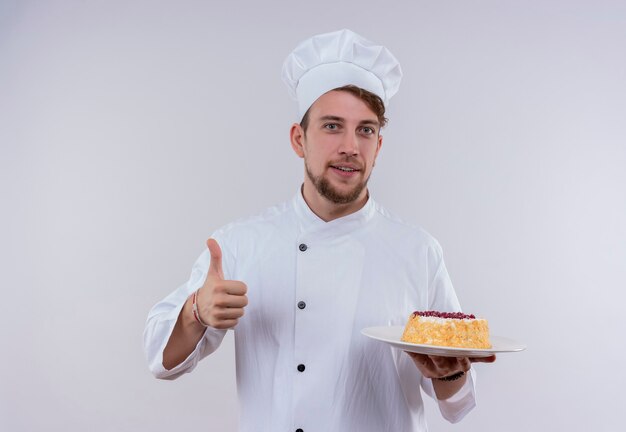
x=378, y=146
x=296, y=136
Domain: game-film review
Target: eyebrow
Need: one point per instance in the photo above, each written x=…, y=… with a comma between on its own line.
x=332, y=118
x=342, y=120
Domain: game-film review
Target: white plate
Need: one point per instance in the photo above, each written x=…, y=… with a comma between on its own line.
x=392, y=334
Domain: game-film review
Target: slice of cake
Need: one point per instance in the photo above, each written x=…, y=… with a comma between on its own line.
x=449, y=329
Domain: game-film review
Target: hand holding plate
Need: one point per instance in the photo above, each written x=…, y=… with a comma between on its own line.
x=432, y=366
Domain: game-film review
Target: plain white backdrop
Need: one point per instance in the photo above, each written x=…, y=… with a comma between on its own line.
x=130, y=130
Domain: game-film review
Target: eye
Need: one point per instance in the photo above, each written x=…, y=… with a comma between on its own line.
x=368, y=130
x=331, y=126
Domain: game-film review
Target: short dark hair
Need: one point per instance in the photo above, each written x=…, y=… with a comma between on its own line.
x=373, y=101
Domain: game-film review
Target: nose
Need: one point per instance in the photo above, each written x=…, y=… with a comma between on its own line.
x=349, y=144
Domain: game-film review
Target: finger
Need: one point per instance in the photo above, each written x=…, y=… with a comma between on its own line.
x=229, y=314
x=215, y=267
x=225, y=301
x=465, y=363
x=226, y=324
x=441, y=362
x=235, y=288
x=419, y=358
x=489, y=359
x=237, y=301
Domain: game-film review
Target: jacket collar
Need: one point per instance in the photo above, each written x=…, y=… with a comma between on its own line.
x=311, y=223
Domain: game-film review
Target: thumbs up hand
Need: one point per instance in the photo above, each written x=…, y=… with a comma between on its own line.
x=220, y=302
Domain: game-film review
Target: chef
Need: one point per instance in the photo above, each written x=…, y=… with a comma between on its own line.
x=298, y=282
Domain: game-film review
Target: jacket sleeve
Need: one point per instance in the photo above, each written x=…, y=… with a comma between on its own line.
x=459, y=405
x=442, y=297
x=162, y=318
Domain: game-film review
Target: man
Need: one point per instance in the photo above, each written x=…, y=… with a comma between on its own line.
x=314, y=271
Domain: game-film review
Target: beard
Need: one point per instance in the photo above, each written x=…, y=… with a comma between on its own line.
x=325, y=189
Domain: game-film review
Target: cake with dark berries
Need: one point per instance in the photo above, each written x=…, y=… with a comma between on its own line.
x=449, y=329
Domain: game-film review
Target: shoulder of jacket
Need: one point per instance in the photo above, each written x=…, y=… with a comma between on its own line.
x=405, y=229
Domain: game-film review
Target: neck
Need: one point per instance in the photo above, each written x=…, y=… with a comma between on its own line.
x=328, y=210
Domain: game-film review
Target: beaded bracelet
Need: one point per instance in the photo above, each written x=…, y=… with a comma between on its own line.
x=452, y=377
x=194, y=308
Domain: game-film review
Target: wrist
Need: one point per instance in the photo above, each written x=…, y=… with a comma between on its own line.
x=190, y=320
x=195, y=310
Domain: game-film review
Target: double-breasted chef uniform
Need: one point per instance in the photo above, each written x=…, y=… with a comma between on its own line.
x=301, y=360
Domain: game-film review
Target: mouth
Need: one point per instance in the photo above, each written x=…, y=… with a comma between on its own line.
x=345, y=168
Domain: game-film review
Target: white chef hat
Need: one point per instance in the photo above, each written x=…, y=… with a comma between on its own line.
x=331, y=60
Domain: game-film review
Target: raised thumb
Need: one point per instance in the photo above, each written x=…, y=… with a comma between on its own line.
x=215, y=267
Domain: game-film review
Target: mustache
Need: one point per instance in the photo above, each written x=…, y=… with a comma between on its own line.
x=352, y=163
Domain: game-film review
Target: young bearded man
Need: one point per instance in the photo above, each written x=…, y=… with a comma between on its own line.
x=312, y=272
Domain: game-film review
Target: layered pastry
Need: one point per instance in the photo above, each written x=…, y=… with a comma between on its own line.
x=449, y=329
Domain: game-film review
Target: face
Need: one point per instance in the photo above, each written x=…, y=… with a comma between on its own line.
x=339, y=147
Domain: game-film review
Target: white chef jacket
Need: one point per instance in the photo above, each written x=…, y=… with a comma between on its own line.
x=301, y=360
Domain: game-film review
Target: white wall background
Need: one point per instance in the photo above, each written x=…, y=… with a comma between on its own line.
x=130, y=130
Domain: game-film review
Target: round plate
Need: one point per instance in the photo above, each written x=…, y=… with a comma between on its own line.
x=392, y=334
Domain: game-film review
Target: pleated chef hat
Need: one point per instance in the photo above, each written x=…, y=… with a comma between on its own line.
x=331, y=60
